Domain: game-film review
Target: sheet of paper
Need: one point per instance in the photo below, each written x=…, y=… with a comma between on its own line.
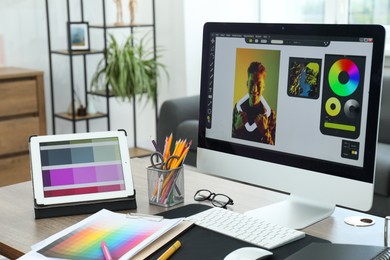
x=161, y=241
x=124, y=236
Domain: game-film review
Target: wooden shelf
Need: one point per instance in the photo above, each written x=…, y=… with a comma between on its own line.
x=66, y=52
x=66, y=116
x=101, y=93
x=124, y=25
x=79, y=62
x=139, y=152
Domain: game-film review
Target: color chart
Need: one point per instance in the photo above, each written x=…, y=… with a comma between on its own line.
x=123, y=236
x=342, y=96
x=81, y=167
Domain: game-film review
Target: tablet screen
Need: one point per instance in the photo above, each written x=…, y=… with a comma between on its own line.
x=78, y=167
x=81, y=167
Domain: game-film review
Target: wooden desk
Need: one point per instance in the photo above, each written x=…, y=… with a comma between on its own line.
x=19, y=229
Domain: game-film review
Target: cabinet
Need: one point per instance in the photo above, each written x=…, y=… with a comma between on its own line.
x=22, y=114
x=83, y=80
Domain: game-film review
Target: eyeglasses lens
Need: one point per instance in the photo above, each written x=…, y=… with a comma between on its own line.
x=220, y=200
x=202, y=195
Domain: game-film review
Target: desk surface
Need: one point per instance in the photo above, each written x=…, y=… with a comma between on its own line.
x=19, y=229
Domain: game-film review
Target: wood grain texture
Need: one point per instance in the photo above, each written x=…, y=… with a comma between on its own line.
x=14, y=134
x=40, y=92
x=22, y=114
x=14, y=169
x=9, y=252
x=7, y=73
x=18, y=97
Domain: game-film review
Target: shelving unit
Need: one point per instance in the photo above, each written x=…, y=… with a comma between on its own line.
x=67, y=52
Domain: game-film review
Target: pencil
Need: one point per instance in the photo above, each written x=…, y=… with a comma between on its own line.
x=181, y=159
x=170, y=251
x=167, y=151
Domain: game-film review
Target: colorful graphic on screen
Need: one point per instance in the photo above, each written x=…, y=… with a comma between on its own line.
x=304, y=78
x=344, y=77
x=81, y=167
x=255, y=95
x=342, y=96
x=119, y=234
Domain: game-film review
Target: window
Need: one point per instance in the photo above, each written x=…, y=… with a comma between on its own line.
x=328, y=11
x=362, y=11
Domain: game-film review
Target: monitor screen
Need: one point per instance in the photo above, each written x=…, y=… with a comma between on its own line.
x=293, y=107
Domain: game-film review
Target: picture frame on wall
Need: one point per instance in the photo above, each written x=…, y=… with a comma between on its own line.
x=78, y=36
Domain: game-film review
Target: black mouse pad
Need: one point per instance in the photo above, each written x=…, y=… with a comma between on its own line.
x=201, y=243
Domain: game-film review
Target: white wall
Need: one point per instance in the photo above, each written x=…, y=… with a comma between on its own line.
x=197, y=13
x=179, y=34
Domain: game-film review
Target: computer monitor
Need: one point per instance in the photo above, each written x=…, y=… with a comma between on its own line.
x=293, y=108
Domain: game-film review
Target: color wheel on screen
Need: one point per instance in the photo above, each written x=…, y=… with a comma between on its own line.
x=344, y=77
x=124, y=237
x=342, y=95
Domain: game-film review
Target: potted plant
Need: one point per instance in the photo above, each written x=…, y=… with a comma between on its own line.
x=131, y=69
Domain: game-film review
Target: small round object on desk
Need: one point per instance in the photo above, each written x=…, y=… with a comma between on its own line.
x=359, y=221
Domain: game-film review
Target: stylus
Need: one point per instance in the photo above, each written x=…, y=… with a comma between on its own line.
x=106, y=252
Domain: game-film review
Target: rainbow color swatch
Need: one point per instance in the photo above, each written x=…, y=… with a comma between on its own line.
x=124, y=237
x=344, y=66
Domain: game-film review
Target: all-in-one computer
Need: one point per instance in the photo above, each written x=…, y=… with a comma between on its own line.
x=293, y=108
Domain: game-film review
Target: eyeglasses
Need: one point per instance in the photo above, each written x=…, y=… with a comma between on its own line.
x=218, y=200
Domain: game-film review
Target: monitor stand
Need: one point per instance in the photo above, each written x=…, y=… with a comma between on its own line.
x=295, y=212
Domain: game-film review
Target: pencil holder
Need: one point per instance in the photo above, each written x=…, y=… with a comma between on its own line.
x=165, y=187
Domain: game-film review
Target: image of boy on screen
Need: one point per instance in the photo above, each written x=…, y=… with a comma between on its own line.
x=253, y=119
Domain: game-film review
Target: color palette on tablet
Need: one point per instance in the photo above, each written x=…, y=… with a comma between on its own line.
x=81, y=167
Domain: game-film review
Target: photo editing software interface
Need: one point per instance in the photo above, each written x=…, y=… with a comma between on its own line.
x=294, y=94
x=81, y=167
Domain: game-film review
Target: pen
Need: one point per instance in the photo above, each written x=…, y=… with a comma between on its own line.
x=155, y=145
x=106, y=252
x=170, y=251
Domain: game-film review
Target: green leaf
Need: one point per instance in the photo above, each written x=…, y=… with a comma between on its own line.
x=132, y=69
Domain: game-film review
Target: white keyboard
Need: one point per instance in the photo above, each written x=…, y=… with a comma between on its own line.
x=252, y=230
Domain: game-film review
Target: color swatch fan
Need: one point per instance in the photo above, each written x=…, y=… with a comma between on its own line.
x=123, y=235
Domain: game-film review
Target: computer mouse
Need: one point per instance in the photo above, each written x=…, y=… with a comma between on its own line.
x=248, y=253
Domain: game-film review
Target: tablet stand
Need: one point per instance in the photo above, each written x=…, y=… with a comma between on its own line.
x=87, y=207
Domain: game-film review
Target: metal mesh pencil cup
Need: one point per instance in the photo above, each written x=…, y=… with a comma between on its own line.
x=165, y=187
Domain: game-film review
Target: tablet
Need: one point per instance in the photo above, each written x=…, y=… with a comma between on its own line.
x=73, y=168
